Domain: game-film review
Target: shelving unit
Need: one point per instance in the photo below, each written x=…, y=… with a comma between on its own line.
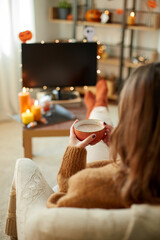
x=120, y=62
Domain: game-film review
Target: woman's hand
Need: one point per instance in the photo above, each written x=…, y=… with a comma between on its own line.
x=74, y=142
x=108, y=131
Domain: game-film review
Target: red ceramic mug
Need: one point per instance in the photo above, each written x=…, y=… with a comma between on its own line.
x=85, y=128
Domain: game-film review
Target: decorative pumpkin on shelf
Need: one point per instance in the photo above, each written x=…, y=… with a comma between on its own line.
x=119, y=11
x=93, y=15
x=70, y=17
x=152, y=4
x=25, y=36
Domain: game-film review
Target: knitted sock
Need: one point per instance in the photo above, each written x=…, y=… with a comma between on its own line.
x=89, y=100
x=101, y=94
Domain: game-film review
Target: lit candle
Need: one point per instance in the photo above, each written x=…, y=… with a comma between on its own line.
x=27, y=117
x=24, y=100
x=36, y=110
x=131, y=18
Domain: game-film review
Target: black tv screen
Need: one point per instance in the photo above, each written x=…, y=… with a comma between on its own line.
x=59, y=64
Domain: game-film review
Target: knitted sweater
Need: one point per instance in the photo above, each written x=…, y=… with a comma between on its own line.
x=84, y=185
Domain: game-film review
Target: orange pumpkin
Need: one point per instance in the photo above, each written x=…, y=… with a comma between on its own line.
x=70, y=17
x=152, y=4
x=25, y=36
x=93, y=15
x=119, y=11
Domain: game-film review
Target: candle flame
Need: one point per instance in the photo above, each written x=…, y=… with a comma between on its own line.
x=24, y=90
x=27, y=111
x=132, y=14
x=36, y=102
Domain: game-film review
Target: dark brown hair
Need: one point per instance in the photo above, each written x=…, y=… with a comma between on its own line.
x=136, y=139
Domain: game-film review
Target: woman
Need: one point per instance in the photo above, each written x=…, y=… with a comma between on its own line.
x=133, y=177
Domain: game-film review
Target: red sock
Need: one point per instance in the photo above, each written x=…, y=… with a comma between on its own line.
x=101, y=94
x=89, y=100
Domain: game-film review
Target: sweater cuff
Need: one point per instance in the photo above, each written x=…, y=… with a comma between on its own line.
x=79, y=153
x=74, y=160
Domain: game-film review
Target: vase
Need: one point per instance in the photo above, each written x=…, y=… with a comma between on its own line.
x=63, y=13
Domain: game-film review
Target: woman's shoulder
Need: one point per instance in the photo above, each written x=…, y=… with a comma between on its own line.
x=95, y=175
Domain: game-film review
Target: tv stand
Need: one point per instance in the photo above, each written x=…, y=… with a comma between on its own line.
x=67, y=98
x=64, y=95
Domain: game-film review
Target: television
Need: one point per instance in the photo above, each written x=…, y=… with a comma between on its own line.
x=61, y=64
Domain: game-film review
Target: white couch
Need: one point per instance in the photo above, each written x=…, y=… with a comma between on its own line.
x=35, y=221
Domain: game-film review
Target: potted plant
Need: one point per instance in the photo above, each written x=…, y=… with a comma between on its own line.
x=64, y=8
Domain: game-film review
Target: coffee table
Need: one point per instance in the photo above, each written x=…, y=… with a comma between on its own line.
x=53, y=130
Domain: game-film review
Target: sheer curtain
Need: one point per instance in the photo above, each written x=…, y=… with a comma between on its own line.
x=15, y=16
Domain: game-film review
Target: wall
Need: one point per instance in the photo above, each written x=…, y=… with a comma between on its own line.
x=45, y=30
x=48, y=31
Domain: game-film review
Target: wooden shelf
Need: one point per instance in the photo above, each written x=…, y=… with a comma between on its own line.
x=116, y=62
x=134, y=65
x=83, y=23
x=106, y=25
x=110, y=61
x=142, y=28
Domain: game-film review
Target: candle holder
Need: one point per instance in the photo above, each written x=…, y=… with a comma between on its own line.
x=24, y=100
x=46, y=105
x=36, y=109
x=131, y=19
x=27, y=117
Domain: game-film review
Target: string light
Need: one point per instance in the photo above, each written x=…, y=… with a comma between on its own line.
x=71, y=88
x=56, y=41
x=85, y=87
x=44, y=87
x=42, y=42
x=98, y=71
x=98, y=57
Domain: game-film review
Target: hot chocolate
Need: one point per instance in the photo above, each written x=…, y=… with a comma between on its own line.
x=85, y=128
x=89, y=127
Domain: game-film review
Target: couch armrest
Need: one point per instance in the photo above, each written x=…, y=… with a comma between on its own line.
x=77, y=224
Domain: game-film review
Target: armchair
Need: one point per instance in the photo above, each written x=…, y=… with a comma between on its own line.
x=28, y=217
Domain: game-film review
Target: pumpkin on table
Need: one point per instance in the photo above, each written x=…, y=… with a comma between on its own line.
x=93, y=15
